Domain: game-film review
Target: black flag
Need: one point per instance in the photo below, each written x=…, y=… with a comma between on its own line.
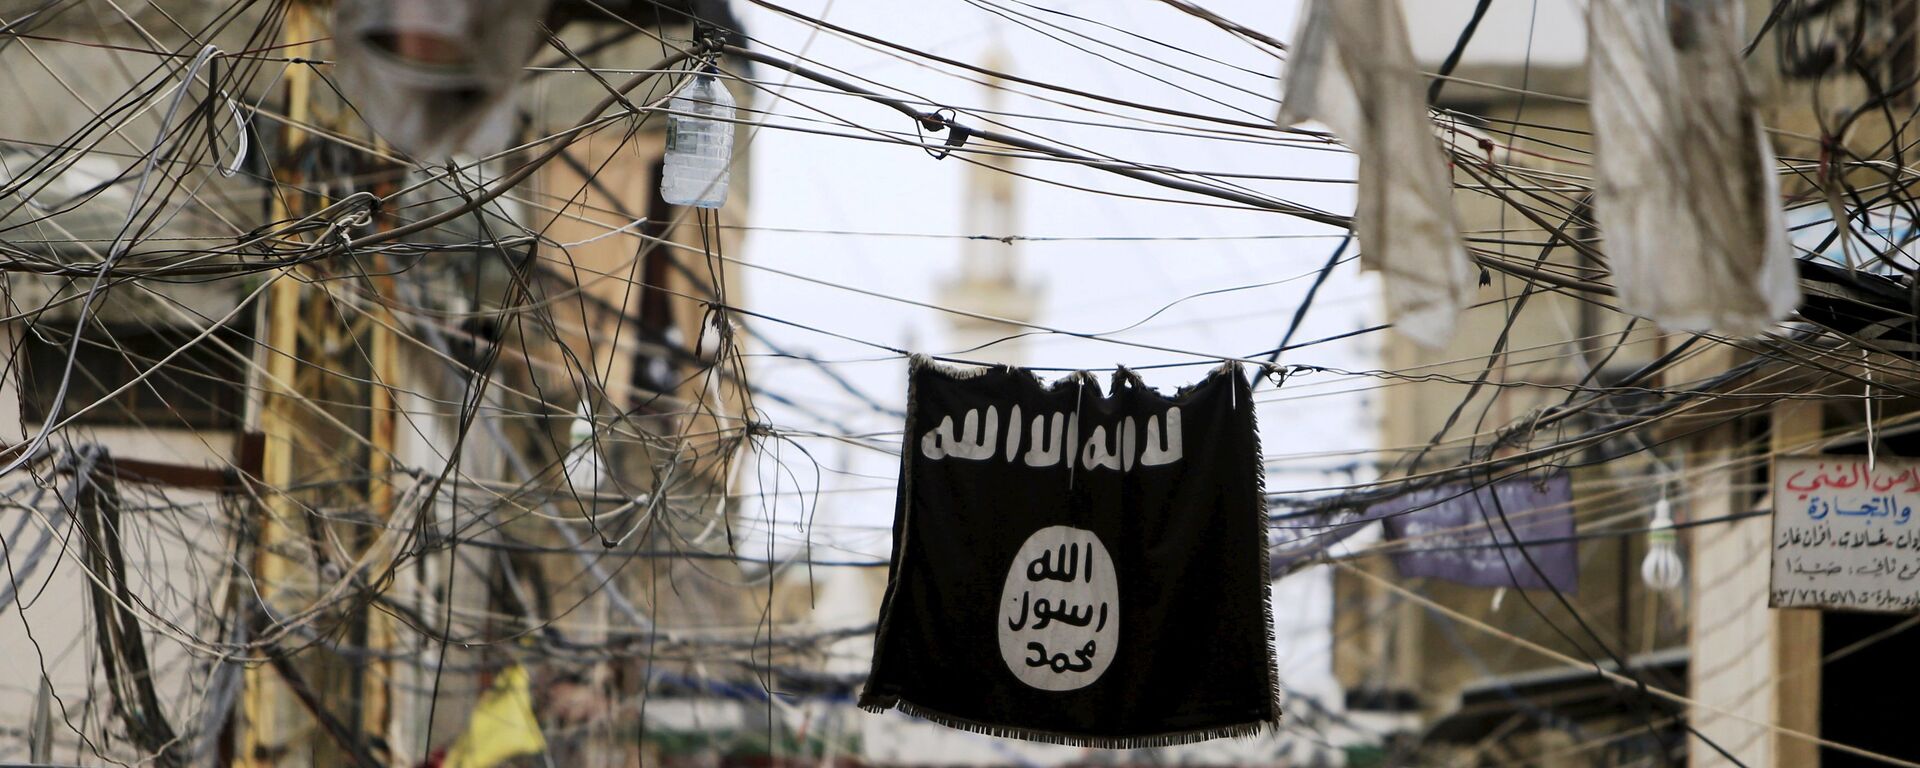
x=1078, y=567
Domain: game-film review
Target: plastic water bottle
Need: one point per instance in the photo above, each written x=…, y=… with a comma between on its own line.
x=699, y=144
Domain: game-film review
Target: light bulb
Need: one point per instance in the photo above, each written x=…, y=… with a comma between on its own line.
x=1662, y=569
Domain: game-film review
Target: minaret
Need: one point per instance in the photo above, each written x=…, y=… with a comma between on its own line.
x=989, y=280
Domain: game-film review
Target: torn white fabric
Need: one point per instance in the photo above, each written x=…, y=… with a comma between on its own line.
x=435, y=77
x=1351, y=68
x=1684, y=186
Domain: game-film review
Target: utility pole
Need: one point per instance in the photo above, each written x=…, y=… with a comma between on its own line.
x=377, y=629
x=266, y=706
x=327, y=419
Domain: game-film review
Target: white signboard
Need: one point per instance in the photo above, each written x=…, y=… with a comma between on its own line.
x=1844, y=534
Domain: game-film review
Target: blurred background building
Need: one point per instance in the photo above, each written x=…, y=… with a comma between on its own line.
x=1478, y=698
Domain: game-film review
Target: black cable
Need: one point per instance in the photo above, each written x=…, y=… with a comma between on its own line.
x=1459, y=49
x=1300, y=313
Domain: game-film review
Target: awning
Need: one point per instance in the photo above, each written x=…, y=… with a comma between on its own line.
x=1566, y=695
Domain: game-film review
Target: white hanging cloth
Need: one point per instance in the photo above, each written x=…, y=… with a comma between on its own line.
x=1684, y=186
x=436, y=77
x=1351, y=68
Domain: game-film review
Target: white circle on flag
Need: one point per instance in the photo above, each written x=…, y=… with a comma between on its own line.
x=1059, y=618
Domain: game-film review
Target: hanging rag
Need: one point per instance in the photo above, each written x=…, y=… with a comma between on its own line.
x=1352, y=69
x=435, y=77
x=1684, y=186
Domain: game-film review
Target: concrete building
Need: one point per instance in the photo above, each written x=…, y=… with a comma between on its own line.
x=1440, y=689
x=1457, y=695
x=271, y=445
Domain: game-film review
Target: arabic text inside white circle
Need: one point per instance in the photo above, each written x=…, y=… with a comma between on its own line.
x=1059, y=618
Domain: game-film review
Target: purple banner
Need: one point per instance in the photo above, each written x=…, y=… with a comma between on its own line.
x=1453, y=532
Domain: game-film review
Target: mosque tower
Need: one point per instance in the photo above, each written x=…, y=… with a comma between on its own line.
x=990, y=280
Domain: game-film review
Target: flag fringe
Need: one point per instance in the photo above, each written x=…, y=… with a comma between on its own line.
x=1169, y=739
x=963, y=371
x=958, y=371
x=1266, y=547
x=900, y=527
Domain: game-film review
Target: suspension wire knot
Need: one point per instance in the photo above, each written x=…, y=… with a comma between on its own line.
x=943, y=119
x=708, y=37
x=1521, y=431
x=1276, y=374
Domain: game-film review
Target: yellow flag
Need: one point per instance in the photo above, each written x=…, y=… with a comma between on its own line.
x=502, y=725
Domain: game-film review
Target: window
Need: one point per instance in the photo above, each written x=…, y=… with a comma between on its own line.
x=201, y=388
